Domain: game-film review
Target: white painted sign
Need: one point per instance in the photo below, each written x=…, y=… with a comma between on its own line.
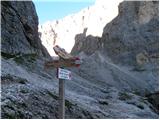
x=64, y=74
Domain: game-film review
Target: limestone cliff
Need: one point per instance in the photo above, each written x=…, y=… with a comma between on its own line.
x=20, y=29
x=135, y=30
x=130, y=43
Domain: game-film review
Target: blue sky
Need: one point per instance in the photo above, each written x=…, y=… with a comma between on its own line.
x=57, y=9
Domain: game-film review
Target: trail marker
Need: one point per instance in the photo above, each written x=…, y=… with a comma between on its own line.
x=66, y=60
x=63, y=74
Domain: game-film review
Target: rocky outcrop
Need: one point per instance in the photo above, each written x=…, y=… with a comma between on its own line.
x=88, y=44
x=153, y=98
x=20, y=29
x=134, y=31
x=62, y=32
x=128, y=48
x=131, y=36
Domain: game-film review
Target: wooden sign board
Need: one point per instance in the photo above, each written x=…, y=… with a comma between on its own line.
x=63, y=63
x=63, y=74
x=62, y=53
x=66, y=60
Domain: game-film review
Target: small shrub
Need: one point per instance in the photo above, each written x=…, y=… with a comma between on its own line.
x=52, y=95
x=7, y=55
x=68, y=104
x=24, y=91
x=140, y=106
x=103, y=102
x=139, y=69
x=25, y=58
x=124, y=96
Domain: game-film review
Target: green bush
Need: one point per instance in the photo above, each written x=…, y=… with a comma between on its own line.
x=25, y=58
x=124, y=96
x=7, y=55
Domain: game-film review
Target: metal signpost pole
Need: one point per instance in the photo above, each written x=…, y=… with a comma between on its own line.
x=61, y=99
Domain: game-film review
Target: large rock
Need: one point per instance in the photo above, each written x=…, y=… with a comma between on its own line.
x=20, y=29
x=88, y=44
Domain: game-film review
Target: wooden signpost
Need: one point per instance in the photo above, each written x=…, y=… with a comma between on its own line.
x=66, y=60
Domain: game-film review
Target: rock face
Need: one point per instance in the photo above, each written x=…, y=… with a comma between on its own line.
x=98, y=89
x=132, y=32
x=62, y=32
x=20, y=29
x=130, y=45
x=88, y=44
x=132, y=38
x=154, y=99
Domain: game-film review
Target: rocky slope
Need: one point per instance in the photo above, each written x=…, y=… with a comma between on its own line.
x=62, y=32
x=98, y=89
x=130, y=45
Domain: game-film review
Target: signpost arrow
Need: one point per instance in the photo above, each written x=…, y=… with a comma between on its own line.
x=72, y=62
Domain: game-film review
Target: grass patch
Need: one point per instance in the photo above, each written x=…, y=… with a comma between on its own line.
x=7, y=55
x=52, y=95
x=87, y=114
x=8, y=115
x=68, y=104
x=20, y=58
x=124, y=96
x=139, y=69
x=24, y=91
x=137, y=92
x=13, y=79
x=26, y=58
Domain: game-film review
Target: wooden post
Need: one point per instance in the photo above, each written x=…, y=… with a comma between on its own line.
x=61, y=99
x=65, y=60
